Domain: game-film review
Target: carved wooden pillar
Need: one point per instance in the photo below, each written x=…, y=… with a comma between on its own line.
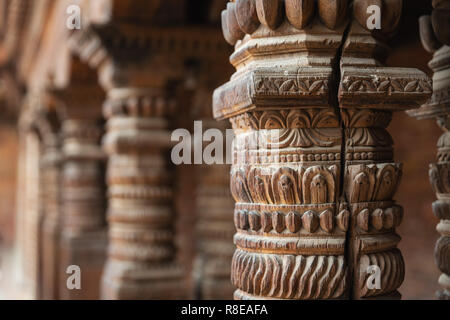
x=436, y=39
x=83, y=236
x=48, y=126
x=137, y=66
x=312, y=174
x=29, y=199
x=214, y=207
x=141, y=257
x=51, y=162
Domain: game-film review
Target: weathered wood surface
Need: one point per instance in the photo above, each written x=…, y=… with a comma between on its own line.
x=313, y=172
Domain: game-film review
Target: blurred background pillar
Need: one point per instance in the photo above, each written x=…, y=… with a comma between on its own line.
x=435, y=35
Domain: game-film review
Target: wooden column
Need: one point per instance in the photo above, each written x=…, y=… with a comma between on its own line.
x=52, y=160
x=141, y=257
x=83, y=234
x=28, y=198
x=48, y=125
x=137, y=66
x=313, y=173
x=436, y=40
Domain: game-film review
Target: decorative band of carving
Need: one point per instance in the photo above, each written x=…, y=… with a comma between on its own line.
x=140, y=251
x=122, y=233
x=287, y=119
x=378, y=219
x=365, y=118
x=292, y=222
x=131, y=210
x=369, y=137
x=289, y=276
x=293, y=155
x=140, y=192
x=392, y=274
x=364, y=153
x=371, y=243
x=307, y=245
x=278, y=139
x=285, y=185
x=305, y=88
x=384, y=88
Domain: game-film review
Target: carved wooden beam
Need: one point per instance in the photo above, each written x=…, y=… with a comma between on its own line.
x=313, y=173
x=436, y=39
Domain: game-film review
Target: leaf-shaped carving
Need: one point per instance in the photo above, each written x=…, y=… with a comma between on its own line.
x=369, y=86
x=316, y=86
x=284, y=186
x=387, y=180
x=239, y=189
x=396, y=85
x=302, y=86
x=293, y=221
x=318, y=189
x=412, y=86
x=271, y=120
x=360, y=183
x=325, y=118
x=327, y=220
x=425, y=85
x=342, y=220
x=384, y=86
x=318, y=184
x=298, y=119
x=288, y=86
x=361, y=188
x=362, y=219
x=259, y=186
x=355, y=86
